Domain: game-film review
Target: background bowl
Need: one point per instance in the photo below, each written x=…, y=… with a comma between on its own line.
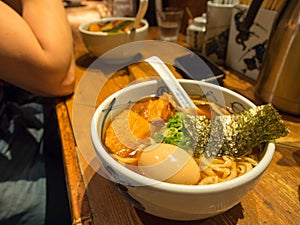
x=98, y=43
x=174, y=201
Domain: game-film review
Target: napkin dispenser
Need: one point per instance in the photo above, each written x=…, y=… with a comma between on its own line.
x=279, y=78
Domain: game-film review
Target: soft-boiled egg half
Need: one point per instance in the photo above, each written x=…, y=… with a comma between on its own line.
x=169, y=163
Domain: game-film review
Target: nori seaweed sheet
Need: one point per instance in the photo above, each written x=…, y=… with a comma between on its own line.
x=234, y=134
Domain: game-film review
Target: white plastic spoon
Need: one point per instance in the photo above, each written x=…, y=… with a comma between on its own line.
x=167, y=76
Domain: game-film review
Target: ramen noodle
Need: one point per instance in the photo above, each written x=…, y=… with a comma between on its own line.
x=228, y=167
x=155, y=120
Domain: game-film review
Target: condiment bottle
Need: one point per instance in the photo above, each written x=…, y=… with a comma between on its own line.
x=196, y=32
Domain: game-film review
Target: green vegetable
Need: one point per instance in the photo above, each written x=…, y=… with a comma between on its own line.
x=119, y=27
x=174, y=133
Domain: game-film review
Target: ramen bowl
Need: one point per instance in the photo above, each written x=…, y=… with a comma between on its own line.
x=168, y=200
x=98, y=42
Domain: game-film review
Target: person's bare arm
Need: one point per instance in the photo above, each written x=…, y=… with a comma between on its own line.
x=36, y=47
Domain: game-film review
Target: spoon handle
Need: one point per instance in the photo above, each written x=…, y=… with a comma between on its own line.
x=167, y=76
x=141, y=13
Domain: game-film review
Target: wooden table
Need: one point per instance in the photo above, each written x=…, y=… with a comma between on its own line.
x=94, y=200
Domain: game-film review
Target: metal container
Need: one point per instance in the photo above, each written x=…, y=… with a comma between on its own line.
x=279, y=79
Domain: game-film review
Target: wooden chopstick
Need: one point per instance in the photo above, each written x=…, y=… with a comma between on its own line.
x=275, y=5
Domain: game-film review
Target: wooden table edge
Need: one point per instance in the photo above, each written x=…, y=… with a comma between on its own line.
x=81, y=212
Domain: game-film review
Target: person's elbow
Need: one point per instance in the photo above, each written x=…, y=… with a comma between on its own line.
x=64, y=88
x=62, y=85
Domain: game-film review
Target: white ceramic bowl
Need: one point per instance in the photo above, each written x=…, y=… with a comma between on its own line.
x=174, y=201
x=98, y=43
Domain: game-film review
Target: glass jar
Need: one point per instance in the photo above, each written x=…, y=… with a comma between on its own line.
x=196, y=32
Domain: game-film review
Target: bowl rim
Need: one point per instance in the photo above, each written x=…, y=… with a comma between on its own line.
x=256, y=172
x=97, y=33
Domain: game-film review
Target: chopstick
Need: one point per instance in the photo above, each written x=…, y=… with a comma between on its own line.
x=188, y=11
x=274, y=5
